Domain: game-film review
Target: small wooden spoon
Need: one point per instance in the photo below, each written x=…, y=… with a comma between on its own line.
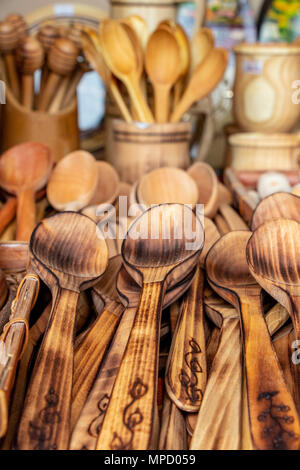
x=73, y=181
x=163, y=66
x=201, y=44
x=9, y=39
x=203, y=81
x=134, y=393
x=69, y=255
x=24, y=170
x=167, y=185
x=30, y=57
x=120, y=57
x=276, y=206
x=207, y=184
x=272, y=255
x=270, y=403
x=108, y=184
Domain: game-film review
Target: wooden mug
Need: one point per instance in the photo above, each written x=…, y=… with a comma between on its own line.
x=251, y=151
x=59, y=131
x=135, y=149
x=263, y=87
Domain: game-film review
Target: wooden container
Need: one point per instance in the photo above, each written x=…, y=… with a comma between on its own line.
x=59, y=131
x=263, y=87
x=153, y=11
x=259, y=152
x=135, y=149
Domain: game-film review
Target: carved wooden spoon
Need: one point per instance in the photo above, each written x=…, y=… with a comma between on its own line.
x=157, y=263
x=270, y=403
x=276, y=206
x=24, y=170
x=69, y=255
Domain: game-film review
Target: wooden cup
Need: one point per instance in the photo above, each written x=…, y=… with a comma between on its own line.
x=58, y=131
x=135, y=149
x=263, y=87
x=263, y=152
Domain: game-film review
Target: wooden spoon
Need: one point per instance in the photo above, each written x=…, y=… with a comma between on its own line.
x=62, y=59
x=207, y=183
x=24, y=170
x=270, y=403
x=120, y=57
x=140, y=27
x=73, y=181
x=203, y=81
x=167, y=185
x=163, y=66
x=276, y=206
x=87, y=428
x=90, y=351
x=134, y=393
x=9, y=39
x=186, y=372
x=30, y=57
x=69, y=255
x=173, y=434
x=201, y=44
x=272, y=254
x=108, y=184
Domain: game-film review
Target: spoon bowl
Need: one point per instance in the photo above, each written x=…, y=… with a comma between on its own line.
x=276, y=206
x=207, y=184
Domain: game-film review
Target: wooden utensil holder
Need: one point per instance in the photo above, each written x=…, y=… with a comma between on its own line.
x=264, y=152
x=263, y=87
x=135, y=149
x=59, y=130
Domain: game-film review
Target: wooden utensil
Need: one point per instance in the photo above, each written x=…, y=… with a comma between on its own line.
x=108, y=184
x=47, y=35
x=140, y=26
x=173, y=434
x=136, y=381
x=186, y=372
x=267, y=390
x=221, y=224
x=61, y=62
x=276, y=269
x=24, y=170
x=242, y=201
x=30, y=57
x=163, y=66
x=19, y=23
x=13, y=256
x=167, y=185
x=201, y=44
x=207, y=184
x=89, y=353
x=8, y=43
x=73, y=181
x=232, y=218
x=120, y=58
x=202, y=82
x=88, y=426
x=13, y=342
x=276, y=206
x=69, y=255
x=94, y=57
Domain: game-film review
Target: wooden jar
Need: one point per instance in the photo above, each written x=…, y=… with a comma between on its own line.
x=262, y=152
x=135, y=149
x=59, y=131
x=263, y=87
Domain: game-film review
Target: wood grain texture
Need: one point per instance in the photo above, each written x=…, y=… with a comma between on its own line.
x=208, y=189
x=269, y=400
x=186, y=367
x=173, y=434
x=69, y=255
x=276, y=206
x=241, y=200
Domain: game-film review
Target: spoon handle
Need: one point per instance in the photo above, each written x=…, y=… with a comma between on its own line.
x=12, y=74
x=173, y=434
x=27, y=91
x=7, y=213
x=45, y=422
x=26, y=214
x=220, y=416
x=161, y=103
x=115, y=93
x=88, y=356
x=138, y=100
x=51, y=85
x=87, y=428
x=186, y=367
x=274, y=421
x=131, y=416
